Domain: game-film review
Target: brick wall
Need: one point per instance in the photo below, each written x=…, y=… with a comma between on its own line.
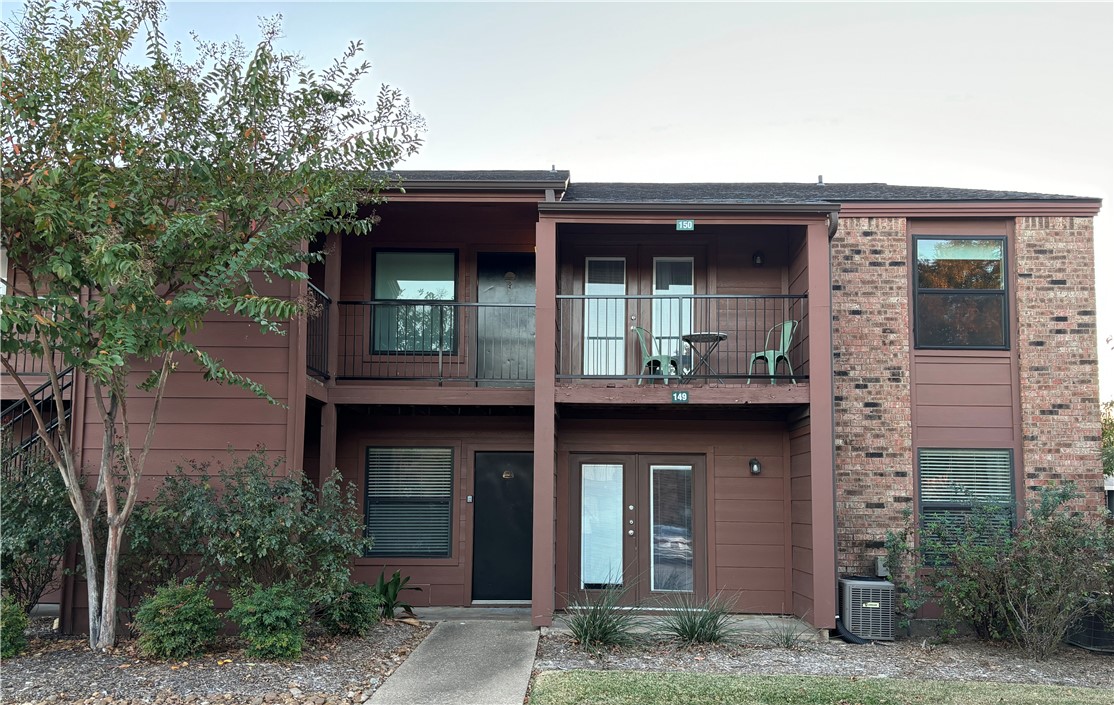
x=1059, y=357
x=873, y=425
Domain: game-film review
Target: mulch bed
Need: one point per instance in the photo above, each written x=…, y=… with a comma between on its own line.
x=908, y=659
x=331, y=671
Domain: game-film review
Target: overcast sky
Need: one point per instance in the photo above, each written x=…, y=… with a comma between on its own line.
x=1015, y=96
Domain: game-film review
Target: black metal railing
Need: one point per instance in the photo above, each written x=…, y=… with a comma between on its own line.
x=709, y=338
x=317, y=333
x=22, y=445
x=488, y=344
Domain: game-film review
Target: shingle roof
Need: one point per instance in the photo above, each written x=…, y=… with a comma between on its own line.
x=482, y=175
x=788, y=193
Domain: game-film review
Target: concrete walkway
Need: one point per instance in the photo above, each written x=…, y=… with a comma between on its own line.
x=465, y=662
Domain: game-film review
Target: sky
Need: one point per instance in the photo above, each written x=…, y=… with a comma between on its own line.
x=1012, y=96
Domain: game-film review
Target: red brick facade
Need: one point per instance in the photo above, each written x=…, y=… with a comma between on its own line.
x=873, y=425
x=1059, y=358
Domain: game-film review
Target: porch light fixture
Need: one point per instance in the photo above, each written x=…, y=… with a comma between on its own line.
x=758, y=258
x=755, y=466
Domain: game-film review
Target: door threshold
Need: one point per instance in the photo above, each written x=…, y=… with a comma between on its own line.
x=489, y=603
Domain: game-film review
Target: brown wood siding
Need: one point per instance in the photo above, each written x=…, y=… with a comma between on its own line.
x=800, y=493
x=747, y=515
x=444, y=581
x=968, y=398
x=798, y=284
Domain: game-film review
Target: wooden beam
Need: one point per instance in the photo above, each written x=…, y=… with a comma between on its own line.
x=662, y=395
x=366, y=393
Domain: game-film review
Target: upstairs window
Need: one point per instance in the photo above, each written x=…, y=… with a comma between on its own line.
x=960, y=291
x=413, y=307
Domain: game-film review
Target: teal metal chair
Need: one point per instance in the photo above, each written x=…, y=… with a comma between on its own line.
x=771, y=356
x=664, y=365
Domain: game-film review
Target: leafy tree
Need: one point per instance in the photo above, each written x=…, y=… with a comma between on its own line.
x=139, y=199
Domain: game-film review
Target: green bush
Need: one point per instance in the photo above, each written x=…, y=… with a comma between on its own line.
x=37, y=523
x=13, y=622
x=694, y=621
x=1026, y=586
x=274, y=527
x=600, y=621
x=177, y=621
x=351, y=612
x=271, y=620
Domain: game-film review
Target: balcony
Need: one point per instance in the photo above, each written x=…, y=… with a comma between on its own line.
x=694, y=339
x=442, y=342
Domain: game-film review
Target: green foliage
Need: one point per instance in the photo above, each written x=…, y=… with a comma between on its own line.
x=13, y=622
x=142, y=198
x=177, y=621
x=271, y=620
x=1108, y=438
x=1028, y=585
x=694, y=621
x=902, y=561
x=37, y=524
x=274, y=528
x=600, y=621
x=351, y=612
x=388, y=593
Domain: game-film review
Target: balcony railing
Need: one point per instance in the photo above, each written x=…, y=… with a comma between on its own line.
x=706, y=338
x=437, y=341
x=317, y=333
x=21, y=446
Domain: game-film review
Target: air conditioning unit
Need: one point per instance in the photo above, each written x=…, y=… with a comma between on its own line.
x=866, y=607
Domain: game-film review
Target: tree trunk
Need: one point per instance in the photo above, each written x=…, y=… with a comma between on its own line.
x=108, y=599
x=88, y=547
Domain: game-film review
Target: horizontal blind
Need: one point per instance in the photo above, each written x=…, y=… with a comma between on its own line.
x=409, y=501
x=960, y=476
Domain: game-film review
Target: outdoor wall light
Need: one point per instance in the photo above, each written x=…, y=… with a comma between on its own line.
x=755, y=466
x=758, y=258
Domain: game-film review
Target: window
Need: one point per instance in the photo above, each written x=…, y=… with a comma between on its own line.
x=960, y=291
x=409, y=501
x=954, y=481
x=406, y=286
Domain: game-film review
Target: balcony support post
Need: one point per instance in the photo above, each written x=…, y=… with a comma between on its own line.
x=545, y=446
x=332, y=290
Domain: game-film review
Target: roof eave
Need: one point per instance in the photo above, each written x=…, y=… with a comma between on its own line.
x=473, y=185
x=685, y=207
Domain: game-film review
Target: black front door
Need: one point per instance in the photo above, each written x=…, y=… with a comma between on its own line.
x=503, y=518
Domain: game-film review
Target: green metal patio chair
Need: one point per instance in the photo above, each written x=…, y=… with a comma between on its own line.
x=664, y=365
x=771, y=356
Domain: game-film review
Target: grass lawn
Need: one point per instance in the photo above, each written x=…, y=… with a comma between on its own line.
x=638, y=688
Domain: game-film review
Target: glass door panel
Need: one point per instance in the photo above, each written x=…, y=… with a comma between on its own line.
x=605, y=318
x=671, y=528
x=601, y=526
x=671, y=311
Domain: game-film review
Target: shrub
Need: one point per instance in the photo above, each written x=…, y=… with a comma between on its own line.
x=271, y=620
x=388, y=593
x=37, y=523
x=177, y=621
x=274, y=528
x=1028, y=585
x=351, y=612
x=13, y=622
x=600, y=621
x=694, y=621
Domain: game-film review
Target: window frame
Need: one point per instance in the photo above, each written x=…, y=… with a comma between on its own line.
x=447, y=502
x=964, y=508
x=454, y=318
x=1003, y=292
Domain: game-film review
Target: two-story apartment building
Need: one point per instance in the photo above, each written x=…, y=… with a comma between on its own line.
x=542, y=388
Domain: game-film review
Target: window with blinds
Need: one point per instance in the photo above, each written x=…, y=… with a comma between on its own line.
x=409, y=501
x=956, y=482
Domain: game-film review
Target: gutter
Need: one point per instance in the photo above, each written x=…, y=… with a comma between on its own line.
x=685, y=207
x=407, y=185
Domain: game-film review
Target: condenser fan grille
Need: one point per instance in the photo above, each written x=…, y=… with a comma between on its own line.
x=867, y=608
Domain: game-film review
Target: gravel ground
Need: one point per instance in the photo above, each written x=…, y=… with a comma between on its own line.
x=961, y=661
x=332, y=671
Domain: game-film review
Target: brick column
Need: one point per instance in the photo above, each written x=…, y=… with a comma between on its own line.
x=1058, y=354
x=873, y=413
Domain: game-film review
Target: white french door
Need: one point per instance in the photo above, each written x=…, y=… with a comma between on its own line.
x=605, y=333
